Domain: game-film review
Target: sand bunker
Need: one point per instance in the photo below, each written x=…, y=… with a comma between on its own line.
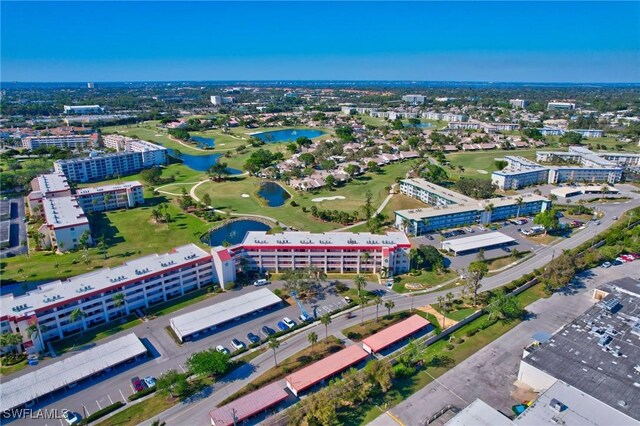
x=245, y=195
x=337, y=197
x=483, y=172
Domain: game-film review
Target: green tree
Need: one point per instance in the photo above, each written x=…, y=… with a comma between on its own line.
x=363, y=301
x=206, y=199
x=172, y=383
x=378, y=301
x=77, y=315
x=13, y=340
x=389, y=305
x=475, y=272
x=208, y=363
x=505, y=308
x=218, y=171
x=326, y=320
x=274, y=345
x=548, y=219
x=360, y=283
x=313, y=339
x=118, y=301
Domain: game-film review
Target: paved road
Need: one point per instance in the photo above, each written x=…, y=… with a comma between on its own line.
x=170, y=356
x=490, y=373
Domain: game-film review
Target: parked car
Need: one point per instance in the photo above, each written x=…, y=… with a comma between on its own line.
x=347, y=299
x=616, y=262
x=429, y=237
x=282, y=326
x=70, y=417
x=150, y=381
x=222, y=349
x=260, y=282
x=507, y=249
x=137, y=384
x=268, y=331
x=469, y=230
x=389, y=285
x=237, y=344
x=482, y=228
x=615, y=218
x=289, y=322
x=628, y=257
x=606, y=265
x=253, y=338
x=304, y=318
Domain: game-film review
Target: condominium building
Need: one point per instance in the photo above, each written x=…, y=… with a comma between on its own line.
x=555, y=105
x=446, y=116
x=448, y=209
x=221, y=100
x=519, y=173
x=518, y=103
x=83, y=109
x=338, y=252
x=413, y=99
x=588, y=133
x=111, y=197
x=143, y=282
x=61, y=141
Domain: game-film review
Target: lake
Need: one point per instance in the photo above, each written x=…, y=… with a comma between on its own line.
x=287, y=135
x=234, y=232
x=274, y=194
x=201, y=163
x=202, y=142
x=421, y=125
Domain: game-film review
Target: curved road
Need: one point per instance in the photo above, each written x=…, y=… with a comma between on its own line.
x=197, y=412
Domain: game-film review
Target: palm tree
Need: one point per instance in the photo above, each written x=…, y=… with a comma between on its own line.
x=313, y=339
x=158, y=422
x=389, y=305
x=441, y=303
x=360, y=283
x=378, y=301
x=405, y=225
x=274, y=344
x=326, y=320
x=366, y=256
x=363, y=301
x=118, y=300
x=519, y=202
x=77, y=314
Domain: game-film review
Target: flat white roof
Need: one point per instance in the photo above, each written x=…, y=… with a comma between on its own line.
x=292, y=239
x=38, y=383
x=144, y=146
x=52, y=182
x=479, y=413
x=477, y=242
x=438, y=190
x=219, y=313
x=108, y=188
x=62, y=212
x=83, y=285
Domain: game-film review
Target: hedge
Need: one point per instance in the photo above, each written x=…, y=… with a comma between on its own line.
x=142, y=393
x=101, y=413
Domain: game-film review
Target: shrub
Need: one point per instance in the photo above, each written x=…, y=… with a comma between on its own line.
x=304, y=209
x=142, y=393
x=277, y=292
x=293, y=203
x=472, y=332
x=341, y=287
x=101, y=413
x=450, y=347
x=401, y=370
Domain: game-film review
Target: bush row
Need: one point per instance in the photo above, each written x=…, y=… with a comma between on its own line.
x=142, y=393
x=101, y=413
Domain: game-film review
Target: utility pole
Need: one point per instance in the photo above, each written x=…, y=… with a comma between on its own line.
x=235, y=419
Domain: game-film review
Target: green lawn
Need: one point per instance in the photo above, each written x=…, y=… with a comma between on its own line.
x=10, y=369
x=401, y=202
x=93, y=334
x=179, y=303
x=458, y=314
x=482, y=160
x=129, y=233
x=426, y=280
x=139, y=412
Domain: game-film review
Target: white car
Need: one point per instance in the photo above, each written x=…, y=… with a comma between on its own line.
x=606, y=265
x=70, y=417
x=150, y=381
x=222, y=349
x=288, y=322
x=482, y=228
x=237, y=344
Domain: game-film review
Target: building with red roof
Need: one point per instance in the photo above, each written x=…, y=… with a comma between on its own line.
x=397, y=332
x=249, y=405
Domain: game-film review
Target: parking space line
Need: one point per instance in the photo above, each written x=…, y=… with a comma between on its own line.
x=181, y=368
x=99, y=407
x=110, y=400
x=122, y=395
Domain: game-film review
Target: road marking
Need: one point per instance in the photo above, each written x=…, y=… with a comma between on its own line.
x=110, y=400
x=122, y=395
x=183, y=370
x=98, y=404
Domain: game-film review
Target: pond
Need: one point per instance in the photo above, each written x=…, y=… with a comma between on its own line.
x=234, y=232
x=201, y=163
x=421, y=125
x=287, y=135
x=274, y=194
x=202, y=142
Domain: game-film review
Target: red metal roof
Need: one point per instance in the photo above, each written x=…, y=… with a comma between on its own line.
x=249, y=405
x=327, y=367
x=396, y=332
x=224, y=255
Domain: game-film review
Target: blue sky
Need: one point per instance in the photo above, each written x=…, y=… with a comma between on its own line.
x=469, y=41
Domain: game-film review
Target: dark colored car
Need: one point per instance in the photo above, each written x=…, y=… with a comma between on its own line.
x=282, y=326
x=253, y=338
x=137, y=384
x=268, y=331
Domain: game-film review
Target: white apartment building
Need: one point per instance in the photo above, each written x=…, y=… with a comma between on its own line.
x=444, y=116
x=221, y=100
x=414, y=99
x=143, y=282
x=338, y=252
x=83, y=109
x=555, y=105
x=62, y=142
x=519, y=173
x=111, y=197
x=464, y=125
x=518, y=103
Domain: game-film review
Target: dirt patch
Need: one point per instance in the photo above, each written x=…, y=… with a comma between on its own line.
x=448, y=321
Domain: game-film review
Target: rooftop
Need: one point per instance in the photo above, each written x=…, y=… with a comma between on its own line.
x=248, y=405
x=564, y=404
x=395, y=333
x=108, y=188
x=5, y=231
x=61, y=212
x=219, y=313
x=326, y=367
x=438, y=190
x=52, y=182
x=390, y=239
x=599, y=352
x=479, y=413
x=30, y=386
x=81, y=286
x=477, y=241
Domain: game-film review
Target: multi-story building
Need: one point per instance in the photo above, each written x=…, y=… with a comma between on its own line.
x=448, y=209
x=518, y=103
x=83, y=141
x=83, y=109
x=338, y=252
x=137, y=155
x=551, y=131
x=413, y=99
x=446, y=116
x=555, y=105
x=588, y=133
x=111, y=197
x=221, y=100
x=142, y=282
x=519, y=173
x=464, y=125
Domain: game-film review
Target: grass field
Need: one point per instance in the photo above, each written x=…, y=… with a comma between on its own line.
x=401, y=202
x=426, y=280
x=139, y=412
x=482, y=160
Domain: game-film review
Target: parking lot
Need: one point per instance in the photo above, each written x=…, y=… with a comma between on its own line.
x=97, y=392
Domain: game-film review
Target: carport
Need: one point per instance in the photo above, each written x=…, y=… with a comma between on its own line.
x=477, y=242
